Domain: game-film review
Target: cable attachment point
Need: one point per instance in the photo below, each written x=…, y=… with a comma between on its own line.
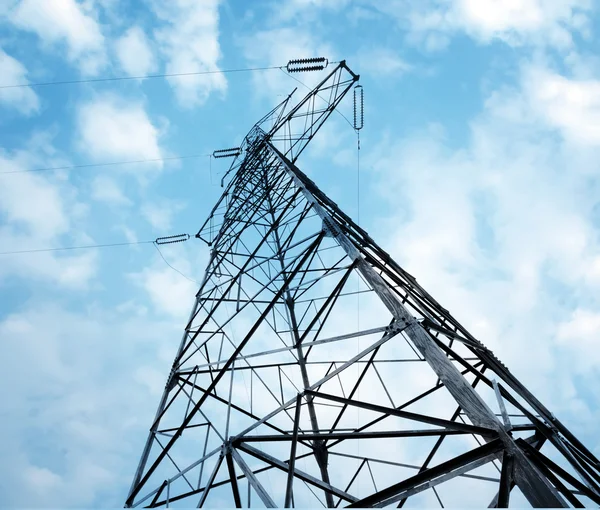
x=301, y=65
x=359, y=108
x=233, y=152
x=180, y=238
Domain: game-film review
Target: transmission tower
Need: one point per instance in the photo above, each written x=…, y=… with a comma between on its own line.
x=282, y=394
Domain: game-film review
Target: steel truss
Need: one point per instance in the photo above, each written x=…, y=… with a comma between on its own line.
x=279, y=396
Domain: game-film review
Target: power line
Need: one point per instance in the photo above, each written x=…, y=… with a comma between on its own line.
x=178, y=238
x=174, y=268
x=149, y=160
x=145, y=77
x=154, y=242
x=74, y=247
x=113, y=163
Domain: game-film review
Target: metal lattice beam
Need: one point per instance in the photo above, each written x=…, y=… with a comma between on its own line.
x=276, y=391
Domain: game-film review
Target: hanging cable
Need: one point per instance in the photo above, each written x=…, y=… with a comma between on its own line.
x=73, y=247
x=160, y=240
x=113, y=163
x=156, y=244
x=145, y=77
x=297, y=65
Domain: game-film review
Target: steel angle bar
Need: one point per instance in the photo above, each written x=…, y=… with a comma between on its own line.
x=213, y=384
x=379, y=434
x=233, y=477
x=432, y=476
x=428, y=323
x=541, y=460
x=354, y=476
x=355, y=387
x=210, y=481
x=306, y=344
x=405, y=404
x=321, y=381
x=220, y=300
x=157, y=495
x=507, y=424
x=447, y=424
x=256, y=485
x=176, y=466
x=273, y=461
x=178, y=475
x=221, y=483
x=459, y=359
x=409, y=466
x=506, y=478
x=248, y=413
x=292, y=462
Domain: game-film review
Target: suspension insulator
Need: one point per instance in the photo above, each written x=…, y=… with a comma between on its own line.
x=359, y=108
x=302, y=65
x=227, y=153
x=180, y=238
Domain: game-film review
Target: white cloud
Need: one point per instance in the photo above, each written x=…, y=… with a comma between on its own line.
x=169, y=292
x=275, y=47
x=382, y=61
x=78, y=411
x=129, y=234
x=152, y=378
x=23, y=99
x=134, y=53
x=189, y=40
x=285, y=11
x=64, y=22
x=572, y=106
x=517, y=22
x=493, y=226
x=106, y=189
x=32, y=202
x=114, y=129
x=38, y=212
x=580, y=337
x=160, y=214
x=549, y=100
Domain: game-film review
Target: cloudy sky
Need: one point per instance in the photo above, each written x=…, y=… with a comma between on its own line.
x=478, y=172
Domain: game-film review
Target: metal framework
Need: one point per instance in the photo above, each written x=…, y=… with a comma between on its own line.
x=280, y=396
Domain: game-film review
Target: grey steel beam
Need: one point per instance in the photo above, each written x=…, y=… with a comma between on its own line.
x=256, y=485
x=301, y=475
x=292, y=462
x=432, y=476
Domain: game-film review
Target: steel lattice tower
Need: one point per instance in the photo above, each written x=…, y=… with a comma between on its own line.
x=279, y=397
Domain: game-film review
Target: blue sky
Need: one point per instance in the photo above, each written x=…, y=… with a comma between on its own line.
x=478, y=173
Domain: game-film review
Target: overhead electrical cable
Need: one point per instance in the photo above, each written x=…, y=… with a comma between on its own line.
x=174, y=268
x=180, y=238
x=291, y=66
x=124, y=78
x=74, y=247
x=112, y=163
